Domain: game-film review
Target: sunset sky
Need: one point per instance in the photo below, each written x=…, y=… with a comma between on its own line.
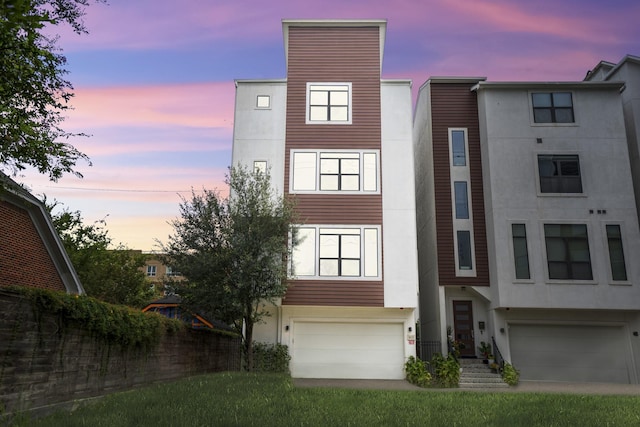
x=154, y=81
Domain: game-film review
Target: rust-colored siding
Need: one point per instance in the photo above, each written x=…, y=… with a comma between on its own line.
x=453, y=105
x=339, y=54
x=24, y=260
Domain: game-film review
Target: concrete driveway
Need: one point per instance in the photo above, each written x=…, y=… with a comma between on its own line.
x=524, y=386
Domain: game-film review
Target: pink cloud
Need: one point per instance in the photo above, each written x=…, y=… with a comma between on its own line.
x=189, y=105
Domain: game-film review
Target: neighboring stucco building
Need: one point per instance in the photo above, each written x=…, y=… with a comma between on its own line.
x=527, y=224
x=338, y=137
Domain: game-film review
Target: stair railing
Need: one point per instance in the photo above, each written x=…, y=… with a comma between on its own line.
x=496, y=353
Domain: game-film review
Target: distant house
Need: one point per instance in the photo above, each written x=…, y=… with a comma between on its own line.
x=169, y=306
x=158, y=272
x=31, y=252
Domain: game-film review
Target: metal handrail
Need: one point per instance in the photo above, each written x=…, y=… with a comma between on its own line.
x=496, y=353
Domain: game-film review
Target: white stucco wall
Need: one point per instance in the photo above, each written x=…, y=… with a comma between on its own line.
x=510, y=149
x=398, y=196
x=259, y=134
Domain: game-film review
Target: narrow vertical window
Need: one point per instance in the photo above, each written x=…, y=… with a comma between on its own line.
x=464, y=250
x=458, y=148
x=304, y=171
x=520, y=252
x=461, y=198
x=616, y=254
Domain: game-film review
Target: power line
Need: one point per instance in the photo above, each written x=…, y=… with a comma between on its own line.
x=119, y=190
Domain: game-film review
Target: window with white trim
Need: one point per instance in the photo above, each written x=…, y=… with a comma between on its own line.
x=465, y=254
x=337, y=252
x=263, y=101
x=559, y=173
x=568, y=256
x=461, y=199
x=260, y=166
x=520, y=251
x=552, y=107
x=151, y=271
x=328, y=103
x=334, y=171
x=616, y=254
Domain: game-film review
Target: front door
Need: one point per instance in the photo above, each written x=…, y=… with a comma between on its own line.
x=463, y=328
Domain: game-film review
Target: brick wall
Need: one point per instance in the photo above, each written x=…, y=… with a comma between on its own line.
x=42, y=366
x=24, y=260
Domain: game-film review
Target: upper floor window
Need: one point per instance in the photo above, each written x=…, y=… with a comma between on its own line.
x=616, y=254
x=458, y=147
x=334, y=171
x=465, y=253
x=520, y=252
x=332, y=252
x=552, y=107
x=568, y=256
x=328, y=103
x=260, y=166
x=461, y=199
x=151, y=270
x=263, y=101
x=559, y=173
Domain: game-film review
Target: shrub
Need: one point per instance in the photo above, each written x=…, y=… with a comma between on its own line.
x=510, y=375
x=447, y=370
x=270, y=357
x=417, y=372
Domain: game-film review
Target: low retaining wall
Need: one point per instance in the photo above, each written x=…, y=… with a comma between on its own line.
x=42, y=366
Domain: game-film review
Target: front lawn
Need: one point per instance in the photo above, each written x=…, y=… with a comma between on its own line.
x=242, y=399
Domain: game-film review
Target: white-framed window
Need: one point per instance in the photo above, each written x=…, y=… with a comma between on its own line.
x=465, y=251
x=337, y=171
x=337, y=252
x=552, y=107
x=263, y=101
x=559, y=173
x=260, y=166
x=567, y=250
x=520, y=251
x=461, y=199
x=328, y=103
x=171, y=273
x=616, y=252
x=151, y=270
x=458, y=146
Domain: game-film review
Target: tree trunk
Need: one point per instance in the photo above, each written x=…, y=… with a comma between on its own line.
x=248, y=342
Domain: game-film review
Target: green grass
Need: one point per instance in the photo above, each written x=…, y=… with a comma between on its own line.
x=241, y=399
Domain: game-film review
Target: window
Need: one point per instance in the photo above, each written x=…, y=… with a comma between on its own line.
x=616, y=254
x=172, y=273
x=334, y=171
x=151, y=271
x=520, y=252
x=464, y=250
x=559, y=173
x=461, y=200
x=458, y=147
x=260, y=166
x=332, y=252
x=568, y=255
x=329, y=103
x=553, y=107
x=263, y=101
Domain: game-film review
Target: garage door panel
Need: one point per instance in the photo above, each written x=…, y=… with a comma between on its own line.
x=347, y=350
x=580, y=353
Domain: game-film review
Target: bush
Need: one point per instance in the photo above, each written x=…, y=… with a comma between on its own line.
x=447, y=370
x=417, y=372
x=510, y=375
x=270, y=357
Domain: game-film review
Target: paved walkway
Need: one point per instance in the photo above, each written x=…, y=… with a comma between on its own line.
x=524, y=386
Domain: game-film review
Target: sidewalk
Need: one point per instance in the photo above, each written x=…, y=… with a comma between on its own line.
x=524, y=386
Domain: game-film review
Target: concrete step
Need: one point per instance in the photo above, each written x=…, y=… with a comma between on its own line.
x=501, y=384
x=465, y=374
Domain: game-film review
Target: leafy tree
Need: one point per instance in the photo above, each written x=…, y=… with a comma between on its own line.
x=114, y=276
x=34, y=93
x=233, y=251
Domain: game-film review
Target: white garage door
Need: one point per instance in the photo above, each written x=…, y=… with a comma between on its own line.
x=569, y=353
x=347, y=350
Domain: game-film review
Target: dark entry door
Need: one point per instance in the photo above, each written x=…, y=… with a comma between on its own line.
x=463, y=327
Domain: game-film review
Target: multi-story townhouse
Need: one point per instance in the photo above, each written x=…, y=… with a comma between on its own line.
x=339, y=139
x=627, y=70
x=527, y=225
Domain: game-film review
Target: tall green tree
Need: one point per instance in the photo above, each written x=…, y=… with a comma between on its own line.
x=234, y=251
x=34, y=93
x=112, y=275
